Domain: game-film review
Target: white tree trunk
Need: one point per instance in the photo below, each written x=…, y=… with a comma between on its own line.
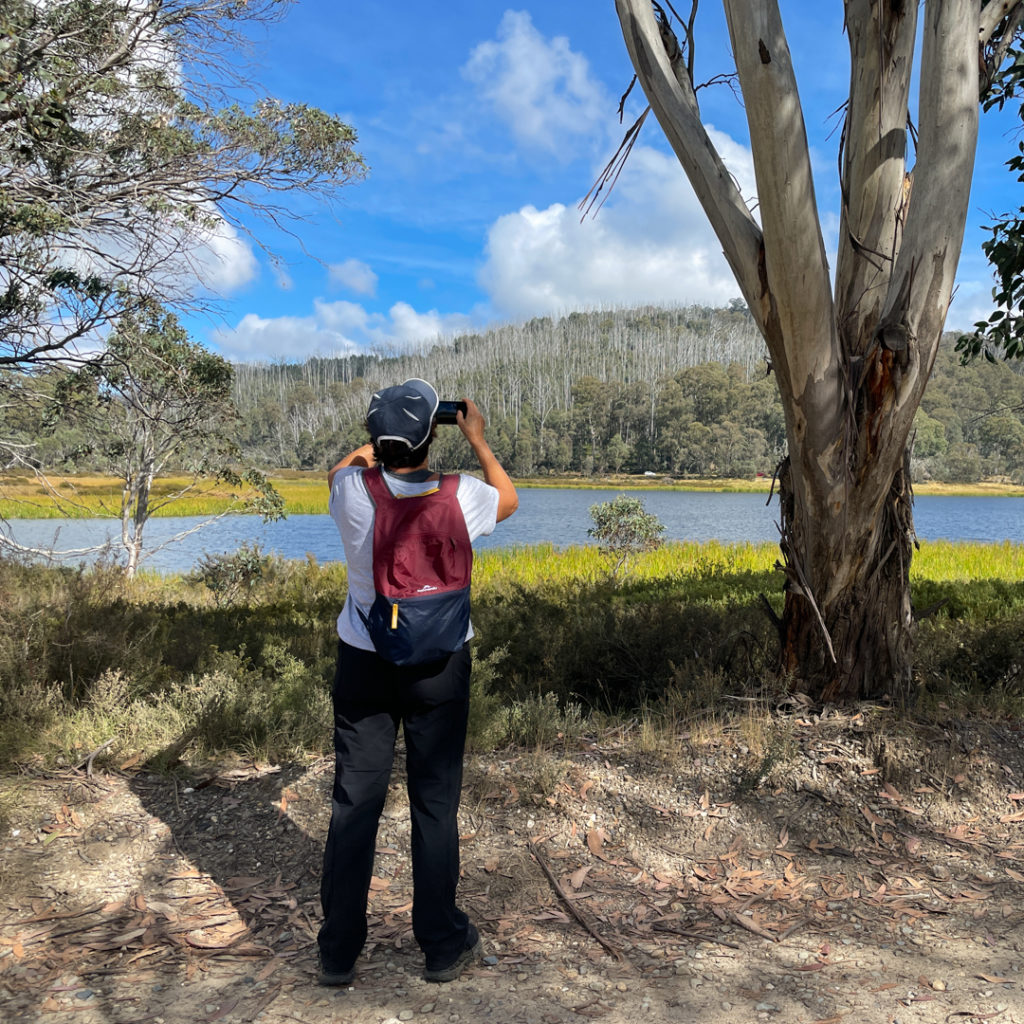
x=851, y=367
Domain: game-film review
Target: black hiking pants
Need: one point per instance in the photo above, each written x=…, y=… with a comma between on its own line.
x=371, y=697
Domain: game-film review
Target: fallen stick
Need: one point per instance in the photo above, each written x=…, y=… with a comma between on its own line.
x=584, y=923
x=688, y=933
x=744, y=922
x=87, y=761
x=792, y=928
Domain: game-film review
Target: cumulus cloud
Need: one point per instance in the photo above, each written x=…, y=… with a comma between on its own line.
x=334, y=328
x=211, y=258
x=223, y=260
x=354, y=275
x=651, y=242
x=539, y=87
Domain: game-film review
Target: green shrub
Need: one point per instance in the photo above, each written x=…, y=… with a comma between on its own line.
x=622, y=528
x=230, y=576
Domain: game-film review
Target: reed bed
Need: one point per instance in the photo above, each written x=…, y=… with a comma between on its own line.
x=305, y=493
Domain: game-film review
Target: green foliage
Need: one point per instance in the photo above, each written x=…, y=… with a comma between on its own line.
x=623, y=527
x=119, y=160
x=232, y=576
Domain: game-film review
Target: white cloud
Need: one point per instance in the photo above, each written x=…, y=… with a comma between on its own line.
x=354, y=275
x=651, y=242
x=210, y=258
x=334, y=328
x=972, y=301
x=539, y=87
x=223, y=260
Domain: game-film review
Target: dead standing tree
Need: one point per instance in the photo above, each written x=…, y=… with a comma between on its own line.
x=851, y=361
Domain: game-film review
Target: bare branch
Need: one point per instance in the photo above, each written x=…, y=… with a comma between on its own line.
x=923, y=277
x=676, y=108
x=795, y=266
x=993, y=16
x=1006, y=19
x=873, y=162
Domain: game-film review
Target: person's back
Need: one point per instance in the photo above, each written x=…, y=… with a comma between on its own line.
x=427, y=691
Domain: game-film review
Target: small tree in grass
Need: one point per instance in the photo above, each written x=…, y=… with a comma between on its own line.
x=623, y=527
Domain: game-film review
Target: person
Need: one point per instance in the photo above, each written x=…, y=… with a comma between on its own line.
x=372, y=696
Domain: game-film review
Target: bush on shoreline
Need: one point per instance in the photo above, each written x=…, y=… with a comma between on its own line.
x=171, y=674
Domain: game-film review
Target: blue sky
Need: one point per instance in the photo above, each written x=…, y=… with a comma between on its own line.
x=483, y=127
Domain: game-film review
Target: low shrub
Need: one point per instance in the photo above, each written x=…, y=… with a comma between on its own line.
x=168, y=671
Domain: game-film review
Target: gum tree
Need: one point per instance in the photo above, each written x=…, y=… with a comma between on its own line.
x=132, y=143
x=851, y=359
x=158, y=404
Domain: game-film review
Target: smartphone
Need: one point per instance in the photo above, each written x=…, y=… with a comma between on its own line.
x=446, y=411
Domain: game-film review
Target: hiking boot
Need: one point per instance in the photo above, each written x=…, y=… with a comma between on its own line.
x=472, y=952
x=326, y=976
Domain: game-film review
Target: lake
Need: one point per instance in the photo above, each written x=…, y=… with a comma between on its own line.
x=558, y=516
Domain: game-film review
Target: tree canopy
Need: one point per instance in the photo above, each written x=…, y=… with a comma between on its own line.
x=130, y=141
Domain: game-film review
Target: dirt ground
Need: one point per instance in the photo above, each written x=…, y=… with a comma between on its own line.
x=858, y=871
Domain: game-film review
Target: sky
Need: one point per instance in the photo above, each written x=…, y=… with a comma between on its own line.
x=483, y=127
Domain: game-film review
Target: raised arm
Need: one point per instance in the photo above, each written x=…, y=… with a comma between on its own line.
x=472, y=426
x=362, y=456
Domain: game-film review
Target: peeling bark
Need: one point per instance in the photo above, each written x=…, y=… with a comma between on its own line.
x=851, y=366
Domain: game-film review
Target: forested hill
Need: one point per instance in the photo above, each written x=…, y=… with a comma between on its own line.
x=584, y=392
x=683, y=391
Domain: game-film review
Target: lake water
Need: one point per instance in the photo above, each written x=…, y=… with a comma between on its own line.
x=560, y=517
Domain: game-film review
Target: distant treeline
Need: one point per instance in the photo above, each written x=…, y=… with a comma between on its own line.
x=683, y=391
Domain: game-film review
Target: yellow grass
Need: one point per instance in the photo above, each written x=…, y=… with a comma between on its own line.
x=305, y=492
x=86, y=497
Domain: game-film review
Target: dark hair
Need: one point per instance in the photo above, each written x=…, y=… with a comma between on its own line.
x=396, y=455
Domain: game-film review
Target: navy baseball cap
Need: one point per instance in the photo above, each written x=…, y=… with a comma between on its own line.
x=404, y=413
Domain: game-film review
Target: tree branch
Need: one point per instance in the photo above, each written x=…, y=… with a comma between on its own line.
x=675, y=106
x=873, y=171
x=795, y=265
x=923, y=277
x=992, y=16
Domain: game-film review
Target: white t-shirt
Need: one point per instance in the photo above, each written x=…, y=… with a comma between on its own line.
x=352, y=511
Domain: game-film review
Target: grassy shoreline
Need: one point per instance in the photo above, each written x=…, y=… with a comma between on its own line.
x=169, y=669
x=305, y=493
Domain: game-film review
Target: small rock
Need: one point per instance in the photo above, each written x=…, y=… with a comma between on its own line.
x=427, y=1008
x=406, y=1015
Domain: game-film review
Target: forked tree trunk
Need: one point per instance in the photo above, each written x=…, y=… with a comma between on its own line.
x=852, y=364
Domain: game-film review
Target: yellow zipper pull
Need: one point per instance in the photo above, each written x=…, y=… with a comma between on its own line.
x=394, y=616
